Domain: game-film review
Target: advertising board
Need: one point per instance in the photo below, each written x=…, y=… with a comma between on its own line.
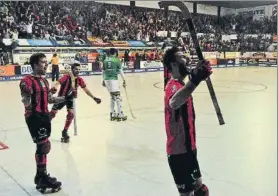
x=150, y=64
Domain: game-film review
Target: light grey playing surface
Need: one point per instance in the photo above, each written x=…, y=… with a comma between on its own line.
x=129, y=159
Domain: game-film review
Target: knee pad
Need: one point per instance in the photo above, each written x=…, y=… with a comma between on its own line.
x=119, y=98
x=43, y=147
x=70, y=115
x=202, y=191
x=113, y=97
x=117, y=93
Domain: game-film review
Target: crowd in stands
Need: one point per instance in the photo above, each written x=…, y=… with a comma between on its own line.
x=73, y=20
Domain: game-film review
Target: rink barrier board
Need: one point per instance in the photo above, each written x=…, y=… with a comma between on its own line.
x=145, y=70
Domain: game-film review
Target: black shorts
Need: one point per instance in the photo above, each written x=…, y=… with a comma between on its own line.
x=39, y=126
x=185, y=170
x=60, y=106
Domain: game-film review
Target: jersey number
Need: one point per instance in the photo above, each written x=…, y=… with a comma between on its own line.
x=109, y=66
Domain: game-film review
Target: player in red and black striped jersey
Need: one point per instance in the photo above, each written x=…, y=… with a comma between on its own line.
x=36, y=95
x=180, y=122
x=65, y=87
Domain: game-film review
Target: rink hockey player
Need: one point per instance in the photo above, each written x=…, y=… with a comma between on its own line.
x=180, y=122
x=36, y=95
x=65, y=87
x=111, y=67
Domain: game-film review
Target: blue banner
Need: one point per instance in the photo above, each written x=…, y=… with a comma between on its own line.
x=39, y=42
x=136, y=44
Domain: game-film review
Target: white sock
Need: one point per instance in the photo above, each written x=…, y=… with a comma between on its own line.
x=119, y=104
x=112, y=104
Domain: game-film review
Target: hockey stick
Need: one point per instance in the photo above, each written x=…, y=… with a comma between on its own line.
x=74, y=103
x=187, y=16
x=129, y=104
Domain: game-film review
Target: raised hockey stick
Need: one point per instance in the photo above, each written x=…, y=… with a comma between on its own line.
x=74, y=103
x=129, y=104
x=187, y=16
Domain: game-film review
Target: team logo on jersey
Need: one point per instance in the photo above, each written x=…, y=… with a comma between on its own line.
x=42, y=83
x=174, y=88
x=42, y=132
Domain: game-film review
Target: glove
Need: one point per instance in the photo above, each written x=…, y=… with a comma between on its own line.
x=201, y=72
x=53, y=90
x=124, y=84
x=97, y=100
x=72, y=94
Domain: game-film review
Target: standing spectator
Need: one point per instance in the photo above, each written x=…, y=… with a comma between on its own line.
x=55, y=67
x=29, y=29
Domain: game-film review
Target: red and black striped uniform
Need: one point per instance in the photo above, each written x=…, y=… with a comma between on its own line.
x=180, y=124
x=38, y=88
x=66, y=84
x=65, y=88
x=37, y=116
x=181, y=139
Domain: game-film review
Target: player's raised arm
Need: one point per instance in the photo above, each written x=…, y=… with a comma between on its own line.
x=178, y=66
x=198, y=74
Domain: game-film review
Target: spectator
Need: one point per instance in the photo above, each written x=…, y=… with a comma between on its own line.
x=74, y=20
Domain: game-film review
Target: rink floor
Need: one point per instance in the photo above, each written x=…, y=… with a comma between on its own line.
x=129, y=158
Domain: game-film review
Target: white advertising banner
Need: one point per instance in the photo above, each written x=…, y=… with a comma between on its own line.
x=27, y=69
x=22, y=58
x=150, y=64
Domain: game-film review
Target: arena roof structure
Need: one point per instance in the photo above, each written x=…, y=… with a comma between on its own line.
x=236, y=4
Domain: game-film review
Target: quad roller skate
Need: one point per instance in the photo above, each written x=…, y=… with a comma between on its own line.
x=46, y=184
x=113, y=116
x=121, y=117
x=65, y=137
x=37, y=178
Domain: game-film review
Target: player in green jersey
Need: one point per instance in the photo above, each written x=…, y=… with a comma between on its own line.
x=111, y=67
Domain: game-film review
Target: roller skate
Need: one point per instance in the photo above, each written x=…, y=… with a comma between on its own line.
x=65, y=137
x=113, y=116
x=121, y=117
x=47, y=184
x=37, y=177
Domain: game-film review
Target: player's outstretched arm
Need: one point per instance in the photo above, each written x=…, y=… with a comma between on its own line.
x=89, y=93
